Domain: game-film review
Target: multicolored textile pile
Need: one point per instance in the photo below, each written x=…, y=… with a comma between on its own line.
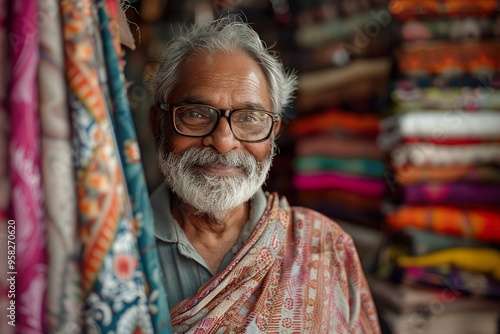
x=341, y=53
x=75, y=216
x=338, y=168
x=443, y=145
x=341, y=50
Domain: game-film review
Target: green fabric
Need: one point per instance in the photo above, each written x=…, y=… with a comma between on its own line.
x=366, y=167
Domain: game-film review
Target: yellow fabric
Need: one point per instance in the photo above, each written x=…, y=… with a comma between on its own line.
x=481, y=260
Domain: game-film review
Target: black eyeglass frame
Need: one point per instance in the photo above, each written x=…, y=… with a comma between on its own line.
x=171, y=107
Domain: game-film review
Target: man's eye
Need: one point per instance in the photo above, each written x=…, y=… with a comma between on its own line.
x=194, y=114
x=249, y=117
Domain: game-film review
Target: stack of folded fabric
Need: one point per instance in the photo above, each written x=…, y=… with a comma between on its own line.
x=343, y=58
x=443, y=145
x=338, y=167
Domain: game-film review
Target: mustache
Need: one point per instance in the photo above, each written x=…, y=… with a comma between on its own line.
x=205, y=156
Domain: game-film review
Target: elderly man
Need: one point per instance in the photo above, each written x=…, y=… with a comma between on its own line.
x=235, y=259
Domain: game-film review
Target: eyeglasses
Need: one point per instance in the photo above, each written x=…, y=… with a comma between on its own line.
x=199, y=120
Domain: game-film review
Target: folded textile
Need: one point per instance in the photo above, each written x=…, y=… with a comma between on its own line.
x=357, y=184
x=426, y=154
x=408, y=99
x=448, y=58
x=360, y=79
x=371, y=219
x=474, y=223
x=434, y=81
x=461, y=29
x=479, y=260
x=450, y=141
x=408, y=295
x=365, y=167
x=308, y=12
x=348, y=199
x=340, y=29
x=435, y=317
x=338, y=146
x=458, y=281
x=408, y=9
x=440, y=125
x=408, y=174
x=460, y=194
x=332, y=121
x=416, y=242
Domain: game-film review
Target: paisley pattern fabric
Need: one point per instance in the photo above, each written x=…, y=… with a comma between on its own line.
x=297, y=273
x=70, y=174
x=131, y=160
x=24, y=148
x=114, y=284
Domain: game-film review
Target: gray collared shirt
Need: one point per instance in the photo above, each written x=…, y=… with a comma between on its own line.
x=183, y=269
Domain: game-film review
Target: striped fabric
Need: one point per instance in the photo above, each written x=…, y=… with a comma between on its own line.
x=63, y=311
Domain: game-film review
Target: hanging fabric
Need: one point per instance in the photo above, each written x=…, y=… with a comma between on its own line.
x=131, y=161
x=30, y=269
x=71, y=174
x=64, y=295
x=5, y=328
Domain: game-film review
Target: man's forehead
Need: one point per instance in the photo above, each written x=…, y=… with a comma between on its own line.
x=209, y=77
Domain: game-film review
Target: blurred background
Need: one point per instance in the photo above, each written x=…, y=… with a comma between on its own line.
x=395, y=134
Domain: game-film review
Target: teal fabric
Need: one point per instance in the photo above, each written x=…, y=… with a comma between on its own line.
x=366, y=167
x=134, y=175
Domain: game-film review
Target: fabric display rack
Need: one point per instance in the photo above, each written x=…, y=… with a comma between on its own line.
x=75, y=218
x=341, y=50
x=439, y=268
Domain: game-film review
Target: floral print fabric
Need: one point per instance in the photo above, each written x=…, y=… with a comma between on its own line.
x=76, y=177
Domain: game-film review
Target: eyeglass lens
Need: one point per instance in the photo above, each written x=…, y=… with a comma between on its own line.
x=246, y=124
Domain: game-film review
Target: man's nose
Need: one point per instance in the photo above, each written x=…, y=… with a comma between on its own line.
x=222, y=138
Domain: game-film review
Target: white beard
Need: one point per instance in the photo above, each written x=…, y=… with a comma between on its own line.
x=210, y=194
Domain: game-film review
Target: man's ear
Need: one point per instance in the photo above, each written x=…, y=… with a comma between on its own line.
x=277, y=128
x=155, y=124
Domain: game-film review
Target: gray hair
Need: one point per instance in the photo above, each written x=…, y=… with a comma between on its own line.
x=224, y=34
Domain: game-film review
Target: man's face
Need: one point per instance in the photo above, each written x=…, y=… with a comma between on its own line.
x=217, y=172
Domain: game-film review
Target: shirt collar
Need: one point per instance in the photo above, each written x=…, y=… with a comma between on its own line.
x=168, y=229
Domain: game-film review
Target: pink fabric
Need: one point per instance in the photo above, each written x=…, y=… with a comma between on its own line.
x=31, y=267
x=357, y=184
x=5, y=328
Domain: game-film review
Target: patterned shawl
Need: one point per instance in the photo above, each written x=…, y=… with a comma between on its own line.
x=297, y=273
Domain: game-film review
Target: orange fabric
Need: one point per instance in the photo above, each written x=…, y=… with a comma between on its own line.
x=333, y=119
x=409, y=174
x=480, y=224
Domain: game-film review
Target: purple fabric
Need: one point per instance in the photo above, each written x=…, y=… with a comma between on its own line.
x=453, y=194
x=30, y=264
x=360, y=185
